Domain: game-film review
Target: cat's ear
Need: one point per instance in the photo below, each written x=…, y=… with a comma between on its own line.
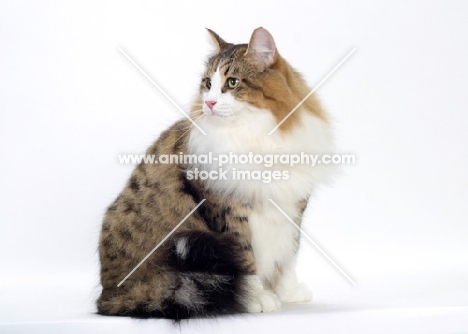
x=217, y=41
x=262, y=49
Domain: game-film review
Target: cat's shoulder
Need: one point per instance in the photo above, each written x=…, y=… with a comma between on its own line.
x=172, y=139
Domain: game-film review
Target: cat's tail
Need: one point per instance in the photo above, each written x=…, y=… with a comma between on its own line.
x=205, y=277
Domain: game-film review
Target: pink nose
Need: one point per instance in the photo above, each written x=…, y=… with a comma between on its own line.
x=210, y=104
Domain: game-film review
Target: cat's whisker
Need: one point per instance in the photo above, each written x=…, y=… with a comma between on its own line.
x=190, y=127
x=195, y=119
x=197, y=116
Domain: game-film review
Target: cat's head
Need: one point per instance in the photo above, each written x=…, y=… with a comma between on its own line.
x=242, y=79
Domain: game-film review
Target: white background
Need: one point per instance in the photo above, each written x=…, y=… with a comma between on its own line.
x=396, y=221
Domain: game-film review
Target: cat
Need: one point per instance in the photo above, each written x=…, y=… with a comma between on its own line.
x=236, y=253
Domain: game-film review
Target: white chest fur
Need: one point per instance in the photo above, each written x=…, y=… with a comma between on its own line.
x=273, y=236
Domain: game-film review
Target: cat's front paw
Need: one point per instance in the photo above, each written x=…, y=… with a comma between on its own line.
x=300, y=293
x=263, y=301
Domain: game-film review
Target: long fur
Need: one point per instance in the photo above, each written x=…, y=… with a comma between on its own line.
x=237, y=252
x=206, y=281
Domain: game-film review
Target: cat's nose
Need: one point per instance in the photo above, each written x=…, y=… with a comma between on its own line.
x=210, y=104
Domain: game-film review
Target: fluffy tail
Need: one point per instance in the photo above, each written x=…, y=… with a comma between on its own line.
x=204, y=277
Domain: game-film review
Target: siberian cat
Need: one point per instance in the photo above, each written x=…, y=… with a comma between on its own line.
x=236, y=253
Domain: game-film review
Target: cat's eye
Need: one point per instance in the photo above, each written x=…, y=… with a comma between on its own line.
x=208, y=83
x=233, y=82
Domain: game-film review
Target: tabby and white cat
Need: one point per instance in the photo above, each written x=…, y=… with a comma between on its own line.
x=236, y=253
